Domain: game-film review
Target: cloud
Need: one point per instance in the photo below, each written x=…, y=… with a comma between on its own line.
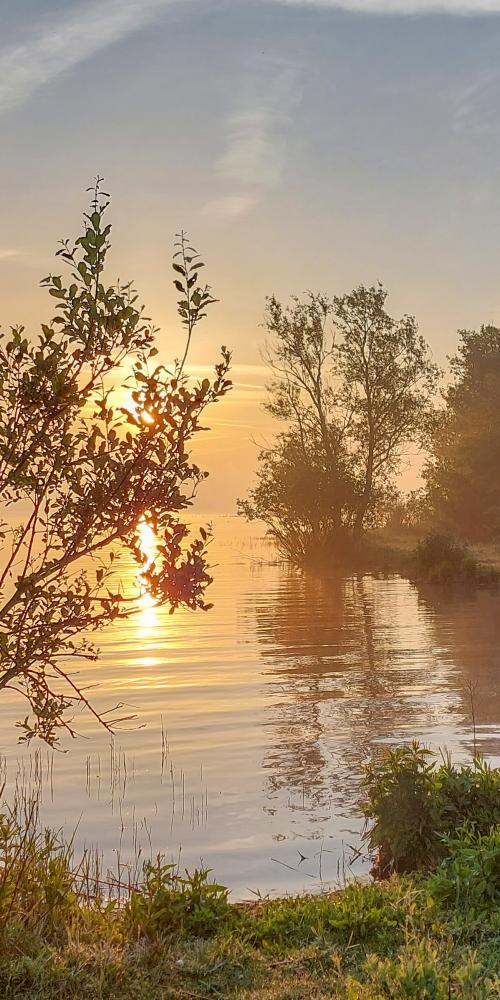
x=8, y=254
x=405, y=7
x=254, y=151
x=69, y=40
x=95, y=24
x=230, y=206
x=476, y=107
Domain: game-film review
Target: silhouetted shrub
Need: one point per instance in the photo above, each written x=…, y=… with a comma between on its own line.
x=441, y=559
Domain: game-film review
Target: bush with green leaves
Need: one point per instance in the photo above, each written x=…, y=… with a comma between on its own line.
x=469, y=877
x=95, y=438
x=413, y=804
x=168, y=901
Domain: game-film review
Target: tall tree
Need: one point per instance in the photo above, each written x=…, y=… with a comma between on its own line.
x=462, y=474
x=351, y=385
x=85, y=458
x=388, y=381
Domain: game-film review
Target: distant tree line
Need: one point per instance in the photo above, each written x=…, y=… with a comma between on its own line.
x=354, y=389
x=462, y=473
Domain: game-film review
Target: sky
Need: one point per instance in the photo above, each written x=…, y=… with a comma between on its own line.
x=303, y=144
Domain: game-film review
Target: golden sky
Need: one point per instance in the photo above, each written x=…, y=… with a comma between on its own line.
x=303, y=144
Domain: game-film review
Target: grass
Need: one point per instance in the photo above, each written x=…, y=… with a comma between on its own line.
x=67, y=933
x=368, y=941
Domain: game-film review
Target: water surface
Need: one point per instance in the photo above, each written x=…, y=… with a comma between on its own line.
x=255, y=719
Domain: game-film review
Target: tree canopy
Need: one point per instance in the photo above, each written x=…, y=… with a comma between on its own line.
x=87, y=453
x=462, y=473
x=351, y=385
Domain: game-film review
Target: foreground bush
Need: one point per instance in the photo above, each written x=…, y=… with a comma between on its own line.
x=413, y=806
x=168, y=901
x=95, y=441
x=469, y=878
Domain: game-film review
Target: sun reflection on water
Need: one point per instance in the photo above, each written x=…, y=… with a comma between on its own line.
x=148, y=618
x=148, y=542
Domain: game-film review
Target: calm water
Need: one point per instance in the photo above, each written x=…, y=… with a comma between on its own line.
x=254, y=720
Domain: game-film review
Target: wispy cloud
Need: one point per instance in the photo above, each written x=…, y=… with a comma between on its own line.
x=6, y=253
x=476, y=107
x=254, y=153
x=408, y=7
x=229, y=206
x=255, y=149
x=67, y=41
x=57, y=45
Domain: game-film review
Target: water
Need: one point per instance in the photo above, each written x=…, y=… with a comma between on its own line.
x=254, y=720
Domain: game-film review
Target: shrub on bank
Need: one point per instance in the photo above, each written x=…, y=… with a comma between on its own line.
x=413, y=805
x=469, y=877
x=441, y=559
x=167, y=901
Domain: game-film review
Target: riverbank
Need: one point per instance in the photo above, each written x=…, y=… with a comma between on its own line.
x=367, y=942
x=431, y=932
x=404, y=542
x=419, y=556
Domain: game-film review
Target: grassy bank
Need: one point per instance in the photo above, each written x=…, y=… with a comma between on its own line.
x=434, y=558
x=374, y=941
x=426, y=934
x=424, y=557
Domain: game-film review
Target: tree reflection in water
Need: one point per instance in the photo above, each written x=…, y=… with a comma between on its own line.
x=466, y=633
x=353, y=663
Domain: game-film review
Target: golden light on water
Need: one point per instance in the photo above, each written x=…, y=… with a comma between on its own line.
x=147, y=618
x=148, y=611
x=148, y=542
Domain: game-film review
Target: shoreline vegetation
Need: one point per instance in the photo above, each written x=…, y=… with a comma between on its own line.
x=434, y=558
x=427, y=928
x=352, y=389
